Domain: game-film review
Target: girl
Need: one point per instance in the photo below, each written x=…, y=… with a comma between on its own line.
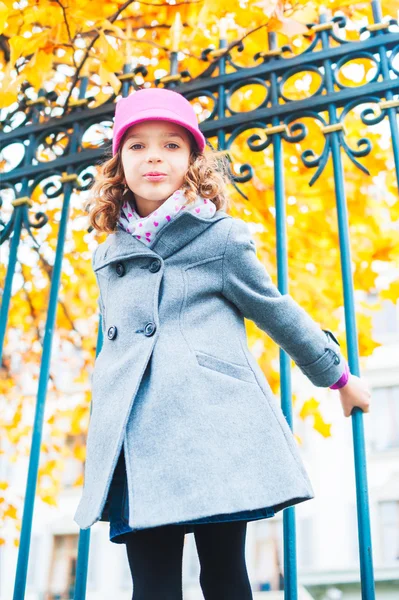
x=185, y=434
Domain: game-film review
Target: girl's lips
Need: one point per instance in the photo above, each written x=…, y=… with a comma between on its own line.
x=155, y=177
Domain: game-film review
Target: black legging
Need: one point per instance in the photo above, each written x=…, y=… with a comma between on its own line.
x=155, y=558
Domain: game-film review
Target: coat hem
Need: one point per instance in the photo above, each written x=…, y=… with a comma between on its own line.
x=120, y=529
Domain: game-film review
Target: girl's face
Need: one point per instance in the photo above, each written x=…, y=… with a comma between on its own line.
x=155, y=146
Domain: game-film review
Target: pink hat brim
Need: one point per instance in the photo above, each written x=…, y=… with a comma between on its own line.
x=159, y=114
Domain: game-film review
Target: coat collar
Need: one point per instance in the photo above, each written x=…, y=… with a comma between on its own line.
x=174, y=235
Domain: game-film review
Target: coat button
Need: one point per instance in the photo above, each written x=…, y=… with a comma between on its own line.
x=155, y=266
x=337, y=358
x=149, y=329
x=120, y=269
x=112, y=331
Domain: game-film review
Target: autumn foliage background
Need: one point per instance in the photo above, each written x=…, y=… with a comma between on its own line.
x=51, y=44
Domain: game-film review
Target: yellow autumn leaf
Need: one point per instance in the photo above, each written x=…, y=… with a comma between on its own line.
x=269, y=7
x=305, y=14
x=39, y=68
x=78, y=481
x=309, y=408
x=392, y=292
x=287, y=26
x=4, y=11
x=48, y=499
x=22, y=46
x=47, y=468
x=80, y=416
x=107, y=25
x=298, y=439
x=11, y=512
x=9, y=87
x=109, y=78
x=111, y=59
x=79, y=452
x=321, y=426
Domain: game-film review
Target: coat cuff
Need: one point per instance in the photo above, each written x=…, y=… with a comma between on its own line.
x=327, y=370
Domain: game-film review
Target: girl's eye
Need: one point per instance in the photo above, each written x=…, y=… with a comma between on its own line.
x=170, y=144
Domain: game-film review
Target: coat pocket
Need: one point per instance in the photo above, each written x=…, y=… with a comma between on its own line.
x=225, y=367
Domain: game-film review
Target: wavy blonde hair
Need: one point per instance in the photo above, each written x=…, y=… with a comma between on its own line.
x=207, y=175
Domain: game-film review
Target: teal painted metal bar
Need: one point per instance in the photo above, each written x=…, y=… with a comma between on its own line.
x=392, y=111
x=289, y=524
x=12, y=261
x=221, y=134
x=23, y=554
x=84, y=534
x=34, y=456
x=19, y=217
x=363, y=510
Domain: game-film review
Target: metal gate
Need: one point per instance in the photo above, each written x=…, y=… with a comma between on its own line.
x=278, y=118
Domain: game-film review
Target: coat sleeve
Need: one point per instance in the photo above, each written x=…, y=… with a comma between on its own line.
x=247, y=284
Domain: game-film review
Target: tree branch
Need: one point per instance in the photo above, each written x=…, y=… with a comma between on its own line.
x=68, y=30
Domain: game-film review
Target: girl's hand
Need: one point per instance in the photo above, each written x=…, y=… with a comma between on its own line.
x=356, y=392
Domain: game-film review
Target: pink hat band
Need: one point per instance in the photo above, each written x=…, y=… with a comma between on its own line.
x=155, y=103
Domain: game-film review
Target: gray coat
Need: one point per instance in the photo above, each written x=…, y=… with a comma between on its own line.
x=203, y=434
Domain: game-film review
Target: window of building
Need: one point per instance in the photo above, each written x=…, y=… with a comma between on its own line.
x=389, y=531
x=34, y=561
x=74, y=468
x=383, y=428
x=92, y=569
x=385, y=321
x=62, y=575
x=268, y=555
x=305, y=553
x=352, y=535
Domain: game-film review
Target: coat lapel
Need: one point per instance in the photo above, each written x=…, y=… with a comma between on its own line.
x=173, y=236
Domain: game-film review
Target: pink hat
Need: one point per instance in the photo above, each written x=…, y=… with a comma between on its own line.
x=155, y=103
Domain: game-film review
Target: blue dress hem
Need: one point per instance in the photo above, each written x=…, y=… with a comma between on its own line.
x=119, y=509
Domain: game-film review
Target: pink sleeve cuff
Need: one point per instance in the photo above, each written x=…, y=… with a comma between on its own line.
x=343, y=380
